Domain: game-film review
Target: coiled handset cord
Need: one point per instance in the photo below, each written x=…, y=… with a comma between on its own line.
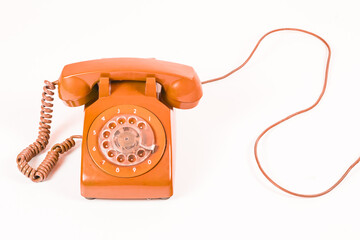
x=290, y=116
x=52, y=157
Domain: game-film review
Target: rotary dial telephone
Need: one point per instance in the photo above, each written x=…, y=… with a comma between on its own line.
x=127, y=138
x=127, y=148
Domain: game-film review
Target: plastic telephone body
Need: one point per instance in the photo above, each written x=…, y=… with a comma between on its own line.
x=127, y=149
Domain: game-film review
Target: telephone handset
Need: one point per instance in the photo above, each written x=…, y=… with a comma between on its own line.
x=127, y=148
x=181, y=85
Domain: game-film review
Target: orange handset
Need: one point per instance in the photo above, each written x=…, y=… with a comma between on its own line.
x=127, y=149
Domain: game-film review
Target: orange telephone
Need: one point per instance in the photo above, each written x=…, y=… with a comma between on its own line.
x=127, y=148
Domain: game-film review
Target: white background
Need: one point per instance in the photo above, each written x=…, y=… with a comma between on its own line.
x=219, y=192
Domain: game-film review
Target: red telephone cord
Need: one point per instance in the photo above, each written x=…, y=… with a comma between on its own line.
x=290, y=116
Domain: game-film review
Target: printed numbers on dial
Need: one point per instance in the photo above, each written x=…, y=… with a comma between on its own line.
x=99, y=153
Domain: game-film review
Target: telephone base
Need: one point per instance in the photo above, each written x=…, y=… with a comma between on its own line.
x=104, y=179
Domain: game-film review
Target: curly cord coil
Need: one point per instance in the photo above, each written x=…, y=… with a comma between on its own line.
x=39, y=174
x=292, y=115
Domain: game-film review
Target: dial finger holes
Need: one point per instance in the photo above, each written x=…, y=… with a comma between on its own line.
x=120, y=158
x=112, y=125
x=121, y=121
x=141, y=125
x=106, y=134
x=141, y=152
x=105, y=144
x=132, y=120
x=131, y=158
x=126, y=139
x=111, y=153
